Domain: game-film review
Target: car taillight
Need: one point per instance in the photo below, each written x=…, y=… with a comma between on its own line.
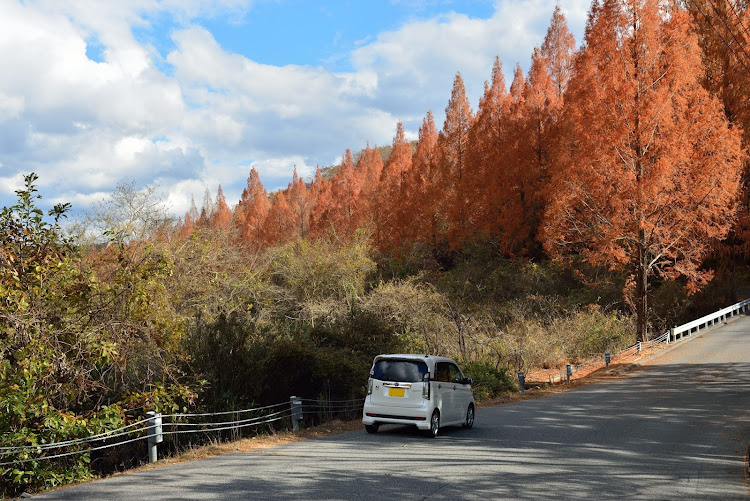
x=369, y=386
x=426, y=390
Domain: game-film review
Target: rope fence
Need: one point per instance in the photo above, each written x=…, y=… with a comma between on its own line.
x=157, y=426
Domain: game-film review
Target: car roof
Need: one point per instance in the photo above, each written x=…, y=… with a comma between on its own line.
x=412, y=356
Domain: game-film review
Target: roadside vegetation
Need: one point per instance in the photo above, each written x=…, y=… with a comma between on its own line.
x=515, y=238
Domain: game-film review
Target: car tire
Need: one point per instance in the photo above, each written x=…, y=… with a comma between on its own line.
x=469, y=417
x=434, y=424
x=372, y=428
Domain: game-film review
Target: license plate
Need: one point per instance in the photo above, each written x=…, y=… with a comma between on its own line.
x=396, y=392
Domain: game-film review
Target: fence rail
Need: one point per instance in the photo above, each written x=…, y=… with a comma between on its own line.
x=156, y=426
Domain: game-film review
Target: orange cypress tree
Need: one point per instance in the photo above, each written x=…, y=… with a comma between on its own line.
x=420, y=226
x=542, y=105
x=320, y=195
x=277, y=228
x=509, y=225
x=338, y=212
x=391, y=196
x=649, y=169
x=221, y=217
x=558, y=50
x=543, y=94
x=189, y=221
x=370, y=168
x=252, y=210
x=451, y=190
x=300, y=204
x=722, y=28
x=489, y=198
x=186, y=228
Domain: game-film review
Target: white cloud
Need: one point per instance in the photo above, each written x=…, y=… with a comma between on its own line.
x=86, y=125
x=417, y=63
x=8, y=185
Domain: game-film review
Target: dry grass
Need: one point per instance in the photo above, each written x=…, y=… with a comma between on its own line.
x=537, y=380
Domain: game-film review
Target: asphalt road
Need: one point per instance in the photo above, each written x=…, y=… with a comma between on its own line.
x=675, y=428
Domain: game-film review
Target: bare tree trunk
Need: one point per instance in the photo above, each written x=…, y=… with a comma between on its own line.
x=641, y=291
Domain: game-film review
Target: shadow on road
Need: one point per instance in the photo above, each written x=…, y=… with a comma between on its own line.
x=665, y=432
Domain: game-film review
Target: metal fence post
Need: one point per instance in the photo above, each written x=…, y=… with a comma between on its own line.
x=521, y=381
x=295, y=403
x=154, y=434
x=568, y=371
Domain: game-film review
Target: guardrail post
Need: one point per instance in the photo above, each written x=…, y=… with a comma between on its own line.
x=638, y=347
x=521, y=381
x=296, y=406
x=607, y=359
x=670, y=335
x=568, y=371
x=154, y=434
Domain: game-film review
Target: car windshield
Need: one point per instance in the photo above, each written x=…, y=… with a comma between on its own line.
x=406, y=371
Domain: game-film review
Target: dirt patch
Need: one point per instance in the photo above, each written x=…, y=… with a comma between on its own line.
x=536, y=377
x=540, y=382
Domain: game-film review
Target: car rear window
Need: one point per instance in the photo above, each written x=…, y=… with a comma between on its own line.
x=405, y=371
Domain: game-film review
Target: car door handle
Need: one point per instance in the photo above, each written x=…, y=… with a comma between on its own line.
x=440, y=386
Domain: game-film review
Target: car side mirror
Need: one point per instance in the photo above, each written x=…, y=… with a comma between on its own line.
x=468, y=380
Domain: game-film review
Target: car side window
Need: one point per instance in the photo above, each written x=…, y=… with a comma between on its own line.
x=442, y=372
x=455, y=374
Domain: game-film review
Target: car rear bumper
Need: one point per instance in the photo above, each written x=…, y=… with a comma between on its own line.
x=382, y=414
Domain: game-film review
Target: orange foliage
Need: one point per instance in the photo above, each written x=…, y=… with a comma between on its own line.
x=222, y=215
x=251, y=212
x=277, y=228
x=617, y=152
x=488, y=185
x=648, y=170
x=370, y=168
x=300, y=204
x=420, y=226
x=391, y=197
x=450, y=187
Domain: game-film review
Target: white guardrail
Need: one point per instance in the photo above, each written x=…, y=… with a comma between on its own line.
x=708, y=320
x=671, y=335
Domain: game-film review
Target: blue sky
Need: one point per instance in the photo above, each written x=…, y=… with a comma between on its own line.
x=185, y=95
x=323, y=33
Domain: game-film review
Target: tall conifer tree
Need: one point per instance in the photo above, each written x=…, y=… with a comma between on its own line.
x=649, y=169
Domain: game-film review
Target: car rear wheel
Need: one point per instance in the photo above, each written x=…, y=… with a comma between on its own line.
x=434, y=424
x=469, y=417
x=372, y=428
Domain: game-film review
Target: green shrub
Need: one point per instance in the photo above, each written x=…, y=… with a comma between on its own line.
x=489, y=381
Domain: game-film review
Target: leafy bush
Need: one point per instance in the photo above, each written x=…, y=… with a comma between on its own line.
x=489, y=381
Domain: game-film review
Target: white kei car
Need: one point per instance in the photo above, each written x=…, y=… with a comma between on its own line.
x=422, y=390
